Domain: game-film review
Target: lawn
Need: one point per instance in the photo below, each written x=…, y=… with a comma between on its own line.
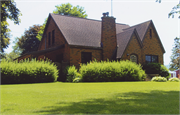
x=91, y=98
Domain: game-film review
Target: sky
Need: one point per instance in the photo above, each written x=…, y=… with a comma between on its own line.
x=129, y=12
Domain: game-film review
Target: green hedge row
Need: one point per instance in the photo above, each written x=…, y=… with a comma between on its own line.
x=28, y=72
x=111, y=71
x=156, y=68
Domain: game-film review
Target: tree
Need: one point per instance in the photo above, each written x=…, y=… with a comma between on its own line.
x=68, y=9
x=11, y=56
x=65, y=9
x=28, y=42
x=175, y=9
x=174, y=64
x=8, y=11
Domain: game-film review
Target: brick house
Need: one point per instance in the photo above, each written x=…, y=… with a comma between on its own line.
x=77, y=40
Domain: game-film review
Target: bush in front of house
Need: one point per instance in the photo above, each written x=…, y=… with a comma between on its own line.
x=71, y=73
x=159, y=79
x=156, y=68
x=174, y=80
x=111, y=71
x=28, y=72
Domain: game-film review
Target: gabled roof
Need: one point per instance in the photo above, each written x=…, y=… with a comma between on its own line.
x=123, y=40
x=141, y=28
x=81, y=31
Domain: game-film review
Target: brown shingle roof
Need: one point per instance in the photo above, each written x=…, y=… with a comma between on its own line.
x=123, y=39
x=81, y=31
x=141, y=28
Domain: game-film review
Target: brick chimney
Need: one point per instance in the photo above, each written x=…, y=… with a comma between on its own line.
x=108, y=36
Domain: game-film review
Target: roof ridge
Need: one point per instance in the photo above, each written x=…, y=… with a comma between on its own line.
x=137, y=24
x=76, y=17
x=84, y=18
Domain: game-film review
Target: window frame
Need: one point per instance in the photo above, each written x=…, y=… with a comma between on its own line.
x=151, y=59
x=49, y=38
x=135, y=56
x=85, y=55
x=53, y=37
x=150, y=33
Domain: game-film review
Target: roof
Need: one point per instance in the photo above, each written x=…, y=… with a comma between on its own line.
x=141, y=28
x=40, y=52
x=81, y=31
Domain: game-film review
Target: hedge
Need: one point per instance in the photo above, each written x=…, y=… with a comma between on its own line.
x=28, y=72
x=156, y=68
x=111, y=71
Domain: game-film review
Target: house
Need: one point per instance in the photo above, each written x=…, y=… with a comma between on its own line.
x=78, y=40
x=175, y=74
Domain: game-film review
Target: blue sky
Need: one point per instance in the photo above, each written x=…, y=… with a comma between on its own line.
x=129, y=12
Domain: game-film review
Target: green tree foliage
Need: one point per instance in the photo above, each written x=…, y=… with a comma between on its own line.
x=175, y=9
x=174, y=64
x=8, y=11
x=16, y=48
x=11, y=56
x=28, y=42
x=68, y=9
x=65, y=9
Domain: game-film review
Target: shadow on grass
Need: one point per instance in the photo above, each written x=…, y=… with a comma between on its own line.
x=154, y=102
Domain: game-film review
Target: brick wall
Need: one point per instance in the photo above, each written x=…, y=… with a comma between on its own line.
x=152, y=45
x=133, y=48
x=108, y=37
x=75, y=55
x=59, y=38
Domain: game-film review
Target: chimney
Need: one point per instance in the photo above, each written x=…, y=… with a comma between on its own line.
x=108, y=36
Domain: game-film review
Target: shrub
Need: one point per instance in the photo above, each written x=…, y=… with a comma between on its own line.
x=76, y=80
x=174, y=80
x=156, y=68
x=164, y=72
x=28, y=72
x=159, y=79
x=152, y=68
x=72, y=71
x=111, y=71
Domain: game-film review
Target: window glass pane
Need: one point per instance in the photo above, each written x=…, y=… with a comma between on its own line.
x=53, y=37
x=86, y=57
x=148, y=59
x=133, y=58
x=155, y=59
x=59, y=58
x=49, y=38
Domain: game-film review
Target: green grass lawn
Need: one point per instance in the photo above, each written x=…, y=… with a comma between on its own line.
x=91, y=98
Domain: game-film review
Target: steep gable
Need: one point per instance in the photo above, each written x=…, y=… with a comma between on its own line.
x=123, y=40
x=58, y=37
x=141, y=28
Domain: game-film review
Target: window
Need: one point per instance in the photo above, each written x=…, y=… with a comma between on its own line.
x=151, y=58
x=86, y=57
x=53, y=38
x=150, y=33
x=49, y=38
x=133, y=58
x=59, y=58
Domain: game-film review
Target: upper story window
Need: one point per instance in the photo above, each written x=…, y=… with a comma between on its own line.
x=151, y=59
x=86, y=57
x=133, y=58
x=49, y=38
x=53, y=37
x=150, y=33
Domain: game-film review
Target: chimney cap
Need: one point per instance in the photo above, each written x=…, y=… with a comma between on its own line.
x=106, y=14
